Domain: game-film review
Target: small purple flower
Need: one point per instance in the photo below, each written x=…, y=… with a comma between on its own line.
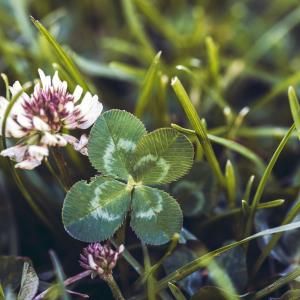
x=100, y=259
x=41, y=119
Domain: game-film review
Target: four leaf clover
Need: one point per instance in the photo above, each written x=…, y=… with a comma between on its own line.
x=129, y=159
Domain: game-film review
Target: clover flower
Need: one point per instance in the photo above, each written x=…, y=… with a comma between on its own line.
x=100, y=259
x=40, y=120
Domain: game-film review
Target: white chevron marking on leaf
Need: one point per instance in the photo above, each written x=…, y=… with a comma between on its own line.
x=152, y=211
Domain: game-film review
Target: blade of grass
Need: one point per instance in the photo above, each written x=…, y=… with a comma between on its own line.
x=147, y=86
x=2, y=296
x=111, y=71
x=13, y=171
x=176, y=292
x=222, y=280
x=20, y=10
x=6, y=83
x=271, y=204
x=275, y=91
x=276, y=237
x=60, y=276
x=264, y=179
x=196, y=123
x=230, y=184
x=64, y=58
x=155, y=267
x=232, y=145
x=263, y=132
x=272, y=36
x=124, y=47
x=137, y=27
x=213, y=59
x=205, y=259
x=158, y=21
x=150, y=279
x=137, y=266
x=247, y=193
x=277, y=284
x=295, y=108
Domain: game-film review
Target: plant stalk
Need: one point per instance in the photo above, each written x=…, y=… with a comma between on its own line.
x=114, y=288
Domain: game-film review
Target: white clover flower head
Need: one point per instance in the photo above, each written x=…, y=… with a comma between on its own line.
x=40, y=119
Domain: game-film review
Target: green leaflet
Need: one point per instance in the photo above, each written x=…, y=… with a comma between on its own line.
x=93, y=212
x=120, y=147
x=112, y=142
x=155, y=216
x=162, y=156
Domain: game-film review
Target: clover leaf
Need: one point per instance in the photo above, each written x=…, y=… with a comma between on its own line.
x=128, y=158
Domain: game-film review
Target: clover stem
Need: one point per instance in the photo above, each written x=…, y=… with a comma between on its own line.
x=114, y=287
x=61, y=165
x=54, y=174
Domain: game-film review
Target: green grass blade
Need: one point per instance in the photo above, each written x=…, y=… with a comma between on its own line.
x=271, y=204
x=264, y=132
x=230, y=183
x=295, y=108
x=6, y=83
x=246, y=195
x=196, y=123
x=64, y=58
x=276, y=237
x=147, y=86
x=264, y=179
x=276, y=90
x=58, y=290
x=158, y=21
x=150, y=279
x=13, y=171
x=232, y=145
x=20, y=10
x=111, y=71
x=2, y=296
x=205, y=259
x=176, y=292
x=239, y=149
x=222, y=280
x=273, y=36
x=213, y=59
x=137, y=27
x=277, y=285
x=169, y=251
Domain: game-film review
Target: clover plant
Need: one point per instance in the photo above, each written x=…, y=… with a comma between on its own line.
x=130, y=160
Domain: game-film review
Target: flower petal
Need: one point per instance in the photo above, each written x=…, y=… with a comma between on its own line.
x=15, y=88
x=24, y=121
x=90, y=113
x=77, y=93
x=40, y=125
x=78, y=145
x=56, y=82
x=37, y=152
x=61, y=141
x=49, y=139
x=46, y=80
x=28, y=164
x=3, y=106
x=16, y=153
x=13, y=129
